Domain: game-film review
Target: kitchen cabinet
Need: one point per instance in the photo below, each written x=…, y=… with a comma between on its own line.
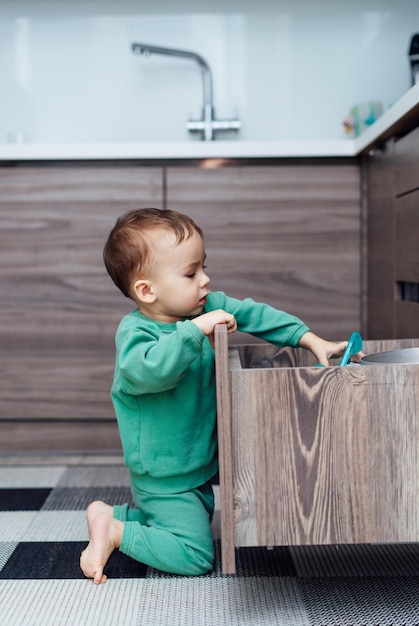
x=287, y=233
x=380, y=287
x=315, y=456
x=59, y=309
x=392, y=179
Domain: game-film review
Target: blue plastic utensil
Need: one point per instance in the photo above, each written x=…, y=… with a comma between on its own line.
x=354, y=346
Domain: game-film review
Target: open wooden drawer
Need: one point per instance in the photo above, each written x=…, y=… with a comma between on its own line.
x=312, y=456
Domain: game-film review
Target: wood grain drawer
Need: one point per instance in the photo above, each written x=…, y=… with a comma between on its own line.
x=315, y=455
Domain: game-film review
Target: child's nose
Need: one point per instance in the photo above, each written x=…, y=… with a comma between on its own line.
x=205, y=280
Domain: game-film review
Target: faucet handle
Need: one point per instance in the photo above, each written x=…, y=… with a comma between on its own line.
x=233, y=124
x=209, y=126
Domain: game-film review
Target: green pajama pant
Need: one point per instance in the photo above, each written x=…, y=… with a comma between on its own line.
x=170, y=532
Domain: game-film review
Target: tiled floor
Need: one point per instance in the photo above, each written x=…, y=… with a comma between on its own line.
x=43, y=530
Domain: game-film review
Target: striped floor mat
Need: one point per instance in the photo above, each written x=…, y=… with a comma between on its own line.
x=43, y=530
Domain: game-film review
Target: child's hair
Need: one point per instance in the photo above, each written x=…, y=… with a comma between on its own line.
x=127, y=250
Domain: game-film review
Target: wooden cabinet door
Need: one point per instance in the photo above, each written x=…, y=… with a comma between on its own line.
x=406, y=163
x=380, y=253
x=406, y=271
x=59, y=308
x=392, y=258
x=288, y=235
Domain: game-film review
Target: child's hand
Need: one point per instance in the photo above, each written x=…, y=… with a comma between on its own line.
x=328, y=349
x=208, y=321
x=324, y=350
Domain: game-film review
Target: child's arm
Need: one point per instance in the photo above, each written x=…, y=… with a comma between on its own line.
x=149, y=363
x=323, y=350
x=208, y=321
x=277, y=327
x=259, y=319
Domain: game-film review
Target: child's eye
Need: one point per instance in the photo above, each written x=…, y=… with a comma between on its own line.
x=190, y=275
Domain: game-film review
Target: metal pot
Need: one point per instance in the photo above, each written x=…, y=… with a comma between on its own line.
x=404, y=356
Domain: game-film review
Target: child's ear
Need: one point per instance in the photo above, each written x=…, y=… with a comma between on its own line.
x=144, y=291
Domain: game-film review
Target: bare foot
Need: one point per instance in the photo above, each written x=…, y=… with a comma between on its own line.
x=105, y=536
x=95, y=508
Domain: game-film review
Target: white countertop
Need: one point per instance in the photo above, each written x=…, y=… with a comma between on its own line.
x=405, y=108
x=177, y=150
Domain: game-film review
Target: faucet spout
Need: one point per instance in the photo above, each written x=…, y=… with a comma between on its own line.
x=208, y=124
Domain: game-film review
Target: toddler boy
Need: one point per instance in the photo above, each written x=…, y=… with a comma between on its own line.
x=164, y=392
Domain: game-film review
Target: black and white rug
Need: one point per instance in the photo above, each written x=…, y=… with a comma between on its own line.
x=43, y=530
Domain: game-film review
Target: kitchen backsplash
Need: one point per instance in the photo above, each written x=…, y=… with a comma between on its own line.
x=287, y=70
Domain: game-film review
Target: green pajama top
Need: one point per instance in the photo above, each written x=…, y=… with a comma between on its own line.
x=164, y=391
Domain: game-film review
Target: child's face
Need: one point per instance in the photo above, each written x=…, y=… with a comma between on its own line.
x=178, y=280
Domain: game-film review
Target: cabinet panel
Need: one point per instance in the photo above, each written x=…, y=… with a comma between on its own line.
x=407, y=163
x=57, y=296
x=288, y=235
x=379, y=171
x=407, y=237
x=315, y=455
x=406, y=319
x=407, y=264
x=82, y=184
x=392, y=250
x=58, y=306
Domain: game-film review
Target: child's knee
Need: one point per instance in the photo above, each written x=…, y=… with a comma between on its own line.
x=199, y=561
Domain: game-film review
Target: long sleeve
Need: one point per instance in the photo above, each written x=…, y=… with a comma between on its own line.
x=149, y=362
x=164, y=398
x=260, y=320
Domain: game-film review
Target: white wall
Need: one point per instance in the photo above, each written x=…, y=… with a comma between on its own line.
x=288, y=70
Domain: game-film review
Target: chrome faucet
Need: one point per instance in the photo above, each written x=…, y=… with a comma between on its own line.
x=208, y=124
